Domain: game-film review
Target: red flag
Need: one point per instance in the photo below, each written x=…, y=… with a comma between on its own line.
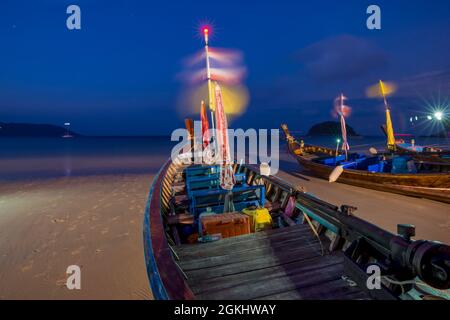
x=205, y=125
x=227, y=180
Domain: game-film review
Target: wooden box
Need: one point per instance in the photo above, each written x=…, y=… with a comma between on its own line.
x=227, y=224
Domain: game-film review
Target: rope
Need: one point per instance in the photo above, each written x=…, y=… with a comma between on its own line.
x=400, y=283
x=315, y=232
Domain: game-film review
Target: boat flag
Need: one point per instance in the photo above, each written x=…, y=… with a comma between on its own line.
x=345, y=145
x=389, y=127
x=189, y=123
x=343, y=110
x=205, y=125
x=227, y=180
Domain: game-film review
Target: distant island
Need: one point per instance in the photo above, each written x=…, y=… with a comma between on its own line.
x=444, y=133
x=330, y=128
x=32, y=130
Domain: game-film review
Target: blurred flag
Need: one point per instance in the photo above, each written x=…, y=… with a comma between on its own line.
x=381, y=89
x=342, y=111
x=345, y=145
x=227, y=180
x=226, y=66
x=205, y=125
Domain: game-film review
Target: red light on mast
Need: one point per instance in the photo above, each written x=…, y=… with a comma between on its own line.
x=205, y=30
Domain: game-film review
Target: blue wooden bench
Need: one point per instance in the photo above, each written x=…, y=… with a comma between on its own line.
x=210, y=182
x=243, y=197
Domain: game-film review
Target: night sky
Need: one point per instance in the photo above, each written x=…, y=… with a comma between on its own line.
x=118, y=74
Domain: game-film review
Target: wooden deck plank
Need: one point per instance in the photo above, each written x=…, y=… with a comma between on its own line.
x=258, y=246
x=291, y=247
x=203, y=250
x=319, y=283
x=298, y=230
x=334, y=291
x=249, y=278
x=257, y=263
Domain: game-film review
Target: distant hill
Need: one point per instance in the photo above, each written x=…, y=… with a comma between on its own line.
x=443, y=133
x=329, y=128
x=32, y=130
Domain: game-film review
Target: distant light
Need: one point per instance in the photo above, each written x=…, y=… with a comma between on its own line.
x=416, y=118
x=338, y=140
x=411, y=119
x=438, y=115
x=67, y=124
x=429, y=117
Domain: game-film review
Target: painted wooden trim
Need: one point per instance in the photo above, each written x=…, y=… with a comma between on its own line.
x=166, y=280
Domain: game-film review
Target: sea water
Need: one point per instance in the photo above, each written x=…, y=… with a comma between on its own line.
x=31, y=158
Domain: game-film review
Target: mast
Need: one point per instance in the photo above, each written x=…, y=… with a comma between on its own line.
x=208, y=76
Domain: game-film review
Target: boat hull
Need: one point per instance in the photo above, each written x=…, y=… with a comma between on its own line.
x=411, y=185
x=425, y=156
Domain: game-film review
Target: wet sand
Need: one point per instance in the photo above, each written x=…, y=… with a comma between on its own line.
x=95, y=221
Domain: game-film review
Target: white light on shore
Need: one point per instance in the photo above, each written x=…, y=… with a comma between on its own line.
x=438, y=115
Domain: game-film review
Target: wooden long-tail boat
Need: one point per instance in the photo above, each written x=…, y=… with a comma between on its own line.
x=318, y=251
x=424, y=153
x=421, y=153
x=430, y=180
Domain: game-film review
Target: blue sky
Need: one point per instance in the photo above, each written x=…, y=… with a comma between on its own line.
x=118, y=74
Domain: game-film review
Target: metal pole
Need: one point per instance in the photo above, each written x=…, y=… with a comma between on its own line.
x=384, y=95
x=210, y=95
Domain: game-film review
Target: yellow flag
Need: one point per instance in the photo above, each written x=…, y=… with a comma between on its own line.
x=389, y=131
x=389, y=127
